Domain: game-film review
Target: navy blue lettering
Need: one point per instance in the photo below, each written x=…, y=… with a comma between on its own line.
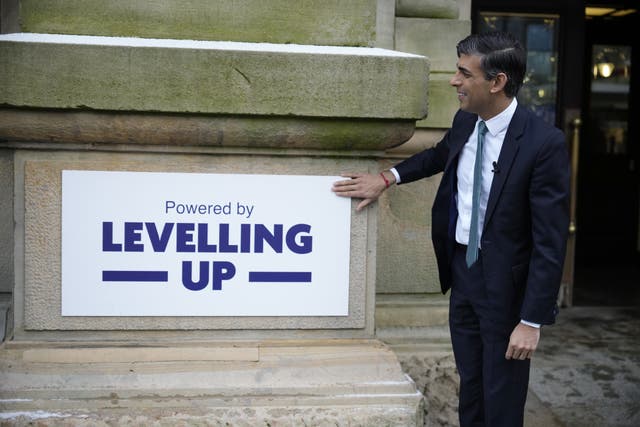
x=107, y=239
x=133, y=237
x=203, y=237
x=245, y=238
x=159, y=242
x=222, y=270
x=306, y=242
x=262, y=234
x=223, y=240
x=187, y=276
x=184, y=237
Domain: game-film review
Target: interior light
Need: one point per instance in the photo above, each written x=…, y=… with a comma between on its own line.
x=598, y=11
x=623, y=12
x=605, y=69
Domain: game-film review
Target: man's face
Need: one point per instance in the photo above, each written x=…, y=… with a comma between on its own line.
x=473, y=89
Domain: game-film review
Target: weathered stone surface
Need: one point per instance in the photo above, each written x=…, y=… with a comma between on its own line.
x=321, y=22
x=425, y=354
x=411, y=310
x=437, y=39
x=315, y=383
x=385, y=23
x=436, y=377
x=406, y=261
x=443, y=102
x=179, y=130
x=6, y=221
x=119, y=74
x=443, y=9
x=434, y=38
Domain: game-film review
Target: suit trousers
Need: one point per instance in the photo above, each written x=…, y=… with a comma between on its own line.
x=493, y=390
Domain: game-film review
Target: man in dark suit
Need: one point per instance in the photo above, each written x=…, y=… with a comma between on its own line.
x=499, y=226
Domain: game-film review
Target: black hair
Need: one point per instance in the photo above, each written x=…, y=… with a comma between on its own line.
x=500, y=52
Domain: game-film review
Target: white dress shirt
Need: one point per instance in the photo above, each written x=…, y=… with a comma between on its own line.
x=493, y=139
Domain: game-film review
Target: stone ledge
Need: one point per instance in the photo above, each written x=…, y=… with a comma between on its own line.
x=146, y=354
x=182, y=76
x=351, y=23
x=411, y=311
x=157, y=131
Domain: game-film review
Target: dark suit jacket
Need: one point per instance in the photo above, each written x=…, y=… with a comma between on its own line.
x=527, y=219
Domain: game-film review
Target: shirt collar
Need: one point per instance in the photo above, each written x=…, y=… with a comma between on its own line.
x=499, y=123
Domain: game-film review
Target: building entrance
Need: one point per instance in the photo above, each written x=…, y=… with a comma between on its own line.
x=580, y=77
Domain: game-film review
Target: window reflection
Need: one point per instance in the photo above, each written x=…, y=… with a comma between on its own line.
x=610, y=80
x=539, y=36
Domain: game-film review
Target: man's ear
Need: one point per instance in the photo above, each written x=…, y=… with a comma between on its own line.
x=499, y=82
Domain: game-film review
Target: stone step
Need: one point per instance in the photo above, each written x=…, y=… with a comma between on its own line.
x=348, y=382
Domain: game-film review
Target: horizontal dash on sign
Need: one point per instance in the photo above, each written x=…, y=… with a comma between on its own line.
x=279, y=276
x=134, y=276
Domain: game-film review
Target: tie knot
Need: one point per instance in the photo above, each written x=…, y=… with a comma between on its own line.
x=482, y=128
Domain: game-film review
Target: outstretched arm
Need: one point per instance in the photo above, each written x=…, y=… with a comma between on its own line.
x=363, y=186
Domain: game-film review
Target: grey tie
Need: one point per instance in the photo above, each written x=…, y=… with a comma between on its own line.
x=472, y=248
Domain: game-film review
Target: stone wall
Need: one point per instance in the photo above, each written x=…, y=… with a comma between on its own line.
x=195, y=86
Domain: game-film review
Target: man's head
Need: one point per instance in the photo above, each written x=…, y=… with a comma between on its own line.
x=500, y=53
x=491, y=70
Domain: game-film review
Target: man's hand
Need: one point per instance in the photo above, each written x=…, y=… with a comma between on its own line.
x=523, y=342
x=362, y=186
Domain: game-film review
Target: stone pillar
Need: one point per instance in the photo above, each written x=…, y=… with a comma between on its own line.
x=148, y=88
x=411, y=312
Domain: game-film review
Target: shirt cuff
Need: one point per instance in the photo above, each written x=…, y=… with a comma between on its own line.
x=395, y=173
x=535, y=325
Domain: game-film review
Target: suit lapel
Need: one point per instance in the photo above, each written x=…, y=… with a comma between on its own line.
x=508, y=153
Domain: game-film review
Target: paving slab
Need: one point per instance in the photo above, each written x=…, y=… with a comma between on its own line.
x=587, y=369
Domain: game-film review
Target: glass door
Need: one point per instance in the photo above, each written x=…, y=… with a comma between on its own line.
x=539, y=35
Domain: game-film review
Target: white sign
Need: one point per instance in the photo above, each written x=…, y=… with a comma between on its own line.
x=190, y=244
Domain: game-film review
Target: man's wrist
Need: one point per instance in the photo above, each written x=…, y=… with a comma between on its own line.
x=386, y=181
x=388, y=177
x=532, y=324
x=396, y=175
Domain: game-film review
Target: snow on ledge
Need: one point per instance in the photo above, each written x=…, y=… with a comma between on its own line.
x=200, y=44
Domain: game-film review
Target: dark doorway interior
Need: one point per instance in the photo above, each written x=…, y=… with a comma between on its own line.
x=568, y=41
x=607, y=241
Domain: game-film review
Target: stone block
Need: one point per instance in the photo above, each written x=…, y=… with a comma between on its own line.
x=443, y=102
x=411, y=310
x=318, y=22
x=442, y=9
x=434, y=38
x=6, y=221
x=406, y=260
x=127, y=74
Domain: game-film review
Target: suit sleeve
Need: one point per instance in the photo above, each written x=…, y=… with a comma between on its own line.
x=549, y=202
